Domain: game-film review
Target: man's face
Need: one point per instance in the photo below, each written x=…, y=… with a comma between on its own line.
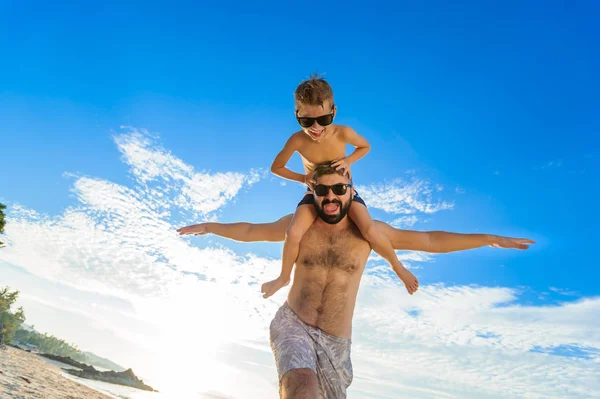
x=332, y=208
x=316, y=132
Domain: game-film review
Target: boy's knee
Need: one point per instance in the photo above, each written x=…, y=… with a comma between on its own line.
x=294, y=233
x=371, y=232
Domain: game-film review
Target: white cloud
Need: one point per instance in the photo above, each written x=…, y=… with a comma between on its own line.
x=550, y=165
x=116, y=267
x=198, y=191
x=404, y=197
x=404, y=221
x=562, y=291
x=472, y=342
x=120, y=239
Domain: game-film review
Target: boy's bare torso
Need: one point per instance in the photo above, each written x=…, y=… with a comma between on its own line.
x=331, y=147
x=327, y=276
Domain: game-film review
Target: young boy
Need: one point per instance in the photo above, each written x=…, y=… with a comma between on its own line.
x=320, y=141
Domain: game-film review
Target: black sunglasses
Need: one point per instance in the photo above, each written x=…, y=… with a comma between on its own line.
x=323, y=120
x=338, y=189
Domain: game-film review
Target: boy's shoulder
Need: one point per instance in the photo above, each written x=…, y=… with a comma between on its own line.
x=297, y=137
x=342, y=131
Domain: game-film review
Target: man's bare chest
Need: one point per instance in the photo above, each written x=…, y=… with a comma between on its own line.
x=344, y=250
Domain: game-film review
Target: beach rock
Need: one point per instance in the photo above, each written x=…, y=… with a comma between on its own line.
x=69, y=361
x=127, y=377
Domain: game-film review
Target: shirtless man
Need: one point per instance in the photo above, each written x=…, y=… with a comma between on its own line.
x=310, y=334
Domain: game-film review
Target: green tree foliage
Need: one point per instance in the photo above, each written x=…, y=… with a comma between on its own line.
x=55, y=346
x=9, y=321
x=2, y=221
x=47, y=343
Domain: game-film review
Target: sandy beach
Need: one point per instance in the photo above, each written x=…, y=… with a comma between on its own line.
x=44, y=380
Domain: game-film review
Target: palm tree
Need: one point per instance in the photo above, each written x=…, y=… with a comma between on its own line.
x=2, y=221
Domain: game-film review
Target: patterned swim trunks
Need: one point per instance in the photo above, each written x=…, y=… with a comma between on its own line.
x=296, y=345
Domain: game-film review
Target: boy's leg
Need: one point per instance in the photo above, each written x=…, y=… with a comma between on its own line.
x=381, y=244
x=303, y=218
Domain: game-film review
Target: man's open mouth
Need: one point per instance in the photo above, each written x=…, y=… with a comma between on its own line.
x=331, y=208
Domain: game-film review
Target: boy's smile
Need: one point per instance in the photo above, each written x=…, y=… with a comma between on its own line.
x=305, y=114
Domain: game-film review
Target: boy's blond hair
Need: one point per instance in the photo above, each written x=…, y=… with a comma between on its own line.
x=313, y=91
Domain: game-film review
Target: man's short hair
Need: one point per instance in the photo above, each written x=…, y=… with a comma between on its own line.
x=313, y=91
x=325, y=168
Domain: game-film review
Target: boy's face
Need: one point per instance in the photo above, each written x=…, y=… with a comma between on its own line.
x=316, y=132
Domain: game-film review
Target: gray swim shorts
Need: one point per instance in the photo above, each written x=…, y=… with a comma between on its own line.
x=296, y=345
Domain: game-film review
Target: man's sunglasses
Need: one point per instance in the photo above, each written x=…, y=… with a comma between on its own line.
x=323, y=120
x=338, y=189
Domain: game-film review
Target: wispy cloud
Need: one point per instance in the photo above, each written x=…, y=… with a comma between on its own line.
x=422, y=345
x=550, y=165
x=404, y=197
x=116, y=265
x=120, y=239
x=197, y=191
x=563, y=291
x=404, y=221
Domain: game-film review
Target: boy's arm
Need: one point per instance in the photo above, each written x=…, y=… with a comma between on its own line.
x=354, y=139
x=278, y=167
x=444, y=242
x=362, y=148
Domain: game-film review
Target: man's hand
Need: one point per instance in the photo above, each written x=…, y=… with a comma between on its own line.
x=342, y=164
x=195, y=229
x=508, y=242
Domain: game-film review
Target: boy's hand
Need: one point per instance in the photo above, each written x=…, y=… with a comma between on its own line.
x=309, y=180
x=342, y=164
x=195, y=229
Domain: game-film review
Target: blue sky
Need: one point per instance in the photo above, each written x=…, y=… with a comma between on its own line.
x=487, y=113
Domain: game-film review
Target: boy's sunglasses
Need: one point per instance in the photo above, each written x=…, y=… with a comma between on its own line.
x=323, y=120
x=338, y=189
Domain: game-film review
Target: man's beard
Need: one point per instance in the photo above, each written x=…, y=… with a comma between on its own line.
x=332, y=219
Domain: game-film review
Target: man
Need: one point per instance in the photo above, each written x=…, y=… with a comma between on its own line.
x=310, y=334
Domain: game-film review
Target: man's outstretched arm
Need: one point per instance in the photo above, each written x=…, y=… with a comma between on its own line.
x=245, y=232
x=430, y=241
x=444, y=242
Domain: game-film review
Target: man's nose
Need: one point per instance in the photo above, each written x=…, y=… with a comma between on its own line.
x=330, y=195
